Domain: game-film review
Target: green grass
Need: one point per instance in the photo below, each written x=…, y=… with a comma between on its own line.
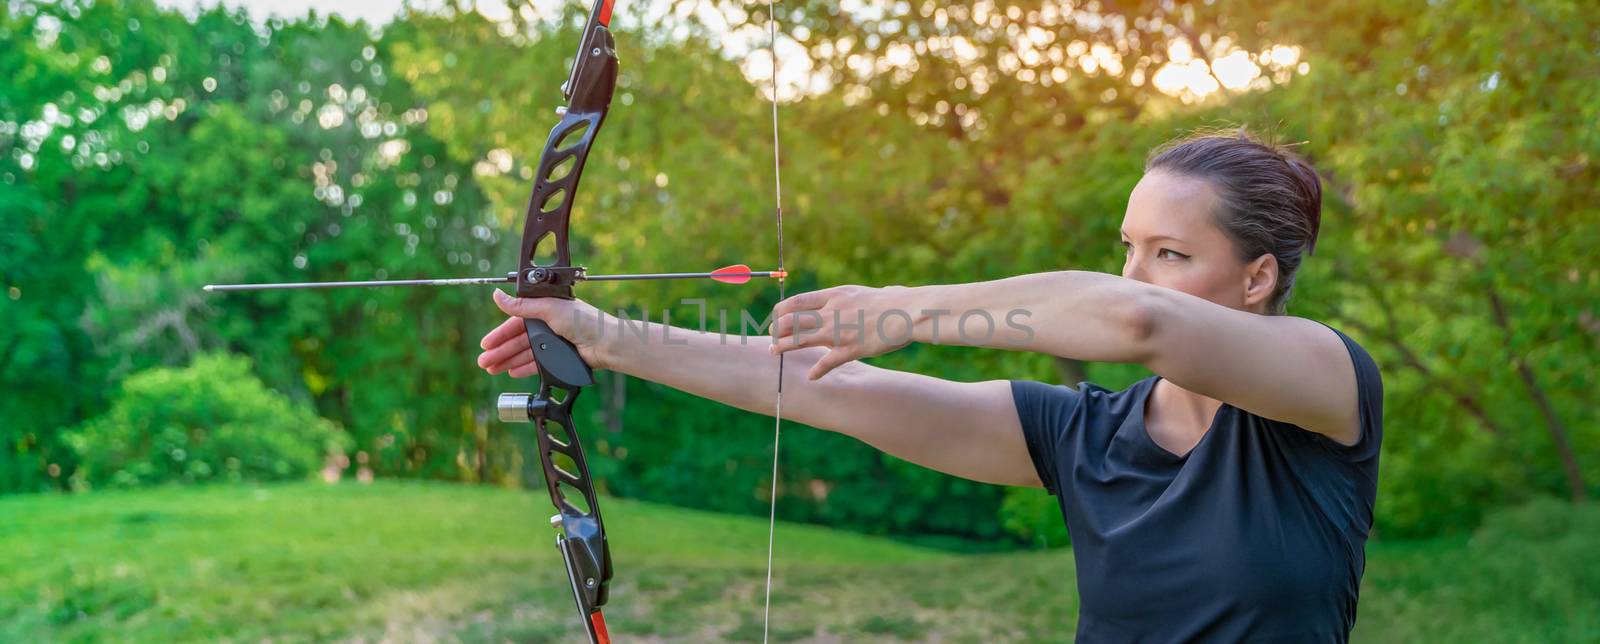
x=415, y=561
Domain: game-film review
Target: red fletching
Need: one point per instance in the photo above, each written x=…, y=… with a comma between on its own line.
x=735, y=274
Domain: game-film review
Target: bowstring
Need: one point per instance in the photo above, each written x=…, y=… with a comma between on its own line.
x=777, y=413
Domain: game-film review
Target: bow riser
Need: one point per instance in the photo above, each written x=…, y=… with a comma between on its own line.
x=561, y=167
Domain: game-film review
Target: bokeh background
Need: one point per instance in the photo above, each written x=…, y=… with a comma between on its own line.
x=177, y=465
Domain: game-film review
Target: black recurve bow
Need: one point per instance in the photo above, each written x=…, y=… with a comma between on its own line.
x=545, y=269
x=582, y=540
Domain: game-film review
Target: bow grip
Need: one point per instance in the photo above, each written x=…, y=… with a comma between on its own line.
x=558, y=360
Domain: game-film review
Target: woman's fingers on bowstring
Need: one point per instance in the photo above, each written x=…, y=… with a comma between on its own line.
x=810, y=335
x=786, y=334
x=799, y=312
x=808, y=301
x=798, y=324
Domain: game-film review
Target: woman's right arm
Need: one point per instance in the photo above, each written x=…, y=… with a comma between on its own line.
x=969, y=430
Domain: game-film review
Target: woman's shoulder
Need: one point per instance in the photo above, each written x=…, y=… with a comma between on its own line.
x=1366, y=367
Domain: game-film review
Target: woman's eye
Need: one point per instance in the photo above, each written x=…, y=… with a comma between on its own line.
x=1167, y=253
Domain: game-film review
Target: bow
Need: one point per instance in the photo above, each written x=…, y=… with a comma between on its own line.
x=582, y=541
x=545, y=269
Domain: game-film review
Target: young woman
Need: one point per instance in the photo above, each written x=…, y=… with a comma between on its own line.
x=1226, y=498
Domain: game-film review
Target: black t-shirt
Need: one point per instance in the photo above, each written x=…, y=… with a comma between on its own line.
x=1257, y=534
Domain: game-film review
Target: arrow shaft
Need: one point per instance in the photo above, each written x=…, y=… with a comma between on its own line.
x=460, y=281
x=470, y=281
x=675, y=276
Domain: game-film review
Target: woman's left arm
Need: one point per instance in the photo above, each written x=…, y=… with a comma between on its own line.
x=1284, y=368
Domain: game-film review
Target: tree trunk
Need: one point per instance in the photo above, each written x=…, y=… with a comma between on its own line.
x=1553, y=424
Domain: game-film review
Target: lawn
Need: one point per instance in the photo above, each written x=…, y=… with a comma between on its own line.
x=419, y=561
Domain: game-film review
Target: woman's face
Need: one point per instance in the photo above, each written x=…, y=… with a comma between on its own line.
x=1171, y=240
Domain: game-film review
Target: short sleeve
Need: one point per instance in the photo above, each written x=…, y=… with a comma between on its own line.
x=1045, y=412
x=1369, y=400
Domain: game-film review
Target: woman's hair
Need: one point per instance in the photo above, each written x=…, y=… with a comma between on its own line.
x=1271, y=197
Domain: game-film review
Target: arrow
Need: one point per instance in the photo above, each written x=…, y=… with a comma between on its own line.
x=735, y=274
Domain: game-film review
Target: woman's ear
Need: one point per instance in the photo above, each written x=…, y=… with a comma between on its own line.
x=1260, y=281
